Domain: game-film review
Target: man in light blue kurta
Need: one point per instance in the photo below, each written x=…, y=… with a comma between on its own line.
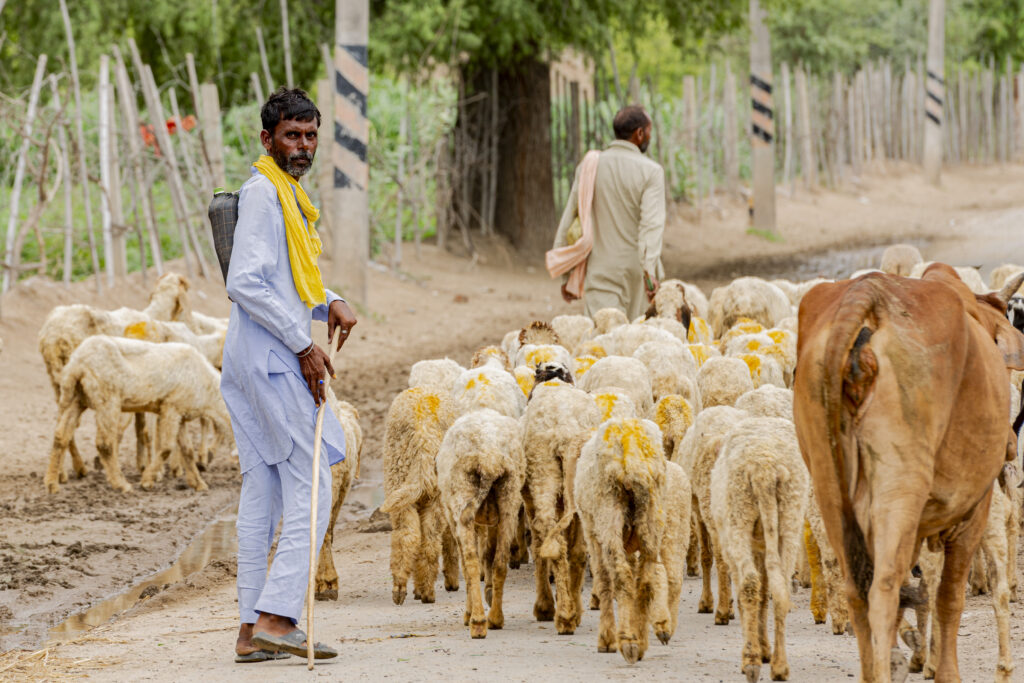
x=267, y=386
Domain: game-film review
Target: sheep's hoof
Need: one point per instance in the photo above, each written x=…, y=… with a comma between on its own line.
x=398, y=595
x=543, y=612
x=52, y=487
x=819, y=618
x=125, y=488
x=496, y=621
x=62, y=477
x=898, y=666
x=705, y=607
x=630, y=650
x=721, y=619
x=451, y=587
x=840, y=629
x=416, y=594
x=565, y=627
x=488, y=594
x=916, y=664
x=595, y=601
x=692, y=572
x=752, y=672
x=478, y=629
x=912, y=638
x=201, y=466
x=928, y=673
x=146, y=484
x=513, y=563
x=607, y=647
x=663, y=636
x=202, y=486
x=780, y=674
x=427, y=599
x=327, y=594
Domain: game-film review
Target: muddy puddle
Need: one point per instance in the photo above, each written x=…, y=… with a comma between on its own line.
x=217, y=542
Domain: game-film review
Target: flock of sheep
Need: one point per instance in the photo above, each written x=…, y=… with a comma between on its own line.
x=648, y=449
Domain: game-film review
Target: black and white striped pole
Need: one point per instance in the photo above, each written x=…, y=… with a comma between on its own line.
x=935, y=91
x=350, y=246
x=762, y=122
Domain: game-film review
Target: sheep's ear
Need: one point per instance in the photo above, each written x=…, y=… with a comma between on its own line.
x=652, y=312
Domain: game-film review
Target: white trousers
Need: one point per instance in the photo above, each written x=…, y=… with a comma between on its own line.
x=268, y=491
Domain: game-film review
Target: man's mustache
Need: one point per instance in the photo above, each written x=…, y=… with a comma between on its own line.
x=301, y=154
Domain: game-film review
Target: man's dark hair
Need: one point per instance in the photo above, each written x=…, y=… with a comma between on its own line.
x=288, y=104
x=628, y=120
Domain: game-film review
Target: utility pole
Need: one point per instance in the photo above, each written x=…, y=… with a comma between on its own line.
x=936, y=91
x=762, y=121
x=350, y=243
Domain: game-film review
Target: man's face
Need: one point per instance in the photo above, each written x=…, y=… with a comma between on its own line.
x=292, y=144
x=645, y=140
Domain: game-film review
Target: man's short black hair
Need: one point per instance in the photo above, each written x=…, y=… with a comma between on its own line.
x=288, y=104
x=628, y=120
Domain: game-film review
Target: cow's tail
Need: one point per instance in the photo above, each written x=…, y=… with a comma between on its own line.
x=849, y=372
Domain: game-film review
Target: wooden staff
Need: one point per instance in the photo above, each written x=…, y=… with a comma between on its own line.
x=317, y=440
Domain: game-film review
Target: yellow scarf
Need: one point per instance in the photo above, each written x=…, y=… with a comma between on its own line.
x=304, y=246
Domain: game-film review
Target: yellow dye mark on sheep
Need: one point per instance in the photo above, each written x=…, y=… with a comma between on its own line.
x=425, y=405
x=606, y=402
x=525, y=382
x=636, y=448
x=752, y=345
x=481, y=378
x=700, y=353
x=673, y=409
x=753, y=362
x=136, y=330
x=778, y=336
x=584, y=363
x=535, y=357
x=593, y=349
x=699, y=331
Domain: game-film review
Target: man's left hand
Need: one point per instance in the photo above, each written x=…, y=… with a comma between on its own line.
x=651, y=286
x=340, y=315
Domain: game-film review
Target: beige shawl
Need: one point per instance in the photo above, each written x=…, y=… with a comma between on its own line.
x=574, y=256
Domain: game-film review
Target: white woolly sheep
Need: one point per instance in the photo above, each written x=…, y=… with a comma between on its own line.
x=900, y=259
x=525, y=378
x=670, y=303
x=413, y=429
x=697, y=455
x=695, y=298
x=767, y=401
x=627, y=374
x=747, y=297
x=620, y=479
x=723, y=380
x=673, y=327
x=558, y=420
x=626, y=339
x=613, y=403
x=485, y=353
x=580, y=365
x=759, y=489
x=790, y=324
x=1003, y=273
x=828, y=596
x=532, y=355
x=669, y=367
x=677, y=500
x=970, y=276
x=114, y=375
x=702, y=352
x=674, y=416
x=210, y=345
x=763, y=369
x=439, y=374
x=491, y=387
x=342, y=475
x=607, y=319
x=572, y=329
x=480, y=473
x=510, y=343
x=699, y=332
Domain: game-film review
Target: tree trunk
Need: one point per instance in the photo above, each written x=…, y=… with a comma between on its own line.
x=524, y=209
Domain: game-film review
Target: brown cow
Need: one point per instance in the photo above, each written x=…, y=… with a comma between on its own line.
x=900, y=408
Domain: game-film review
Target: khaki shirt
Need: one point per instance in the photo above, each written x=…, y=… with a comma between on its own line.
x=629, y=223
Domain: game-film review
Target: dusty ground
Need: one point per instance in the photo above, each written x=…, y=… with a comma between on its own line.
x=61, y=553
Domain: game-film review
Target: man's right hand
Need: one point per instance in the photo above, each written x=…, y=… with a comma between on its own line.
x=568, y=296
x=314, y=363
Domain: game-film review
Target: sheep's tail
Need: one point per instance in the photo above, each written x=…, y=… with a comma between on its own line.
x=849, y=371
x=765, y=490
x=422, y=476
x=549, y=549
x=486, y=468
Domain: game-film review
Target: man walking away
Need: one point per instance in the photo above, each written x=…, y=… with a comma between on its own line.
x=628, y=221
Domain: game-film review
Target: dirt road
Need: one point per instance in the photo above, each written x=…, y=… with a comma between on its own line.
x=60, y=553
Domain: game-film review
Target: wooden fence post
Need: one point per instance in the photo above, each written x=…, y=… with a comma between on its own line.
x=10, y=258
x=131, y=115
x=62, y=142
x=936, y=91
x=690, y=126
x=808, y=165
x=787, y=130
x=213, y=138
x=730, y=137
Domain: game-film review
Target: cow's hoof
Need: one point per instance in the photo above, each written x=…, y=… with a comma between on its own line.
x=752, y=672
x=630, y=650
x=327, y=594
x=478, y=629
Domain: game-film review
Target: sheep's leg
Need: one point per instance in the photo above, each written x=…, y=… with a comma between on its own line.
x=425, y=568
x=108, y=436
x=167, y=427
x=724, y=612
x=67, y=423
x=142, y=445
x=544, y=604
x=780, y=663
x=77, y=464
x=762, y=610
x=660, y=618
x=326, y=573
x=577, y=555
x=994, y=546
x=606, y=636
x=509, y=504
x=405, y=541
x=646, y=573
x=834, y=592
x=475, y=617
x=449, y=556
x=624, y=584
x=693, y=551
x=707, y=600
x=673, y=556
x=593, y=556
x=751, y=593
x=978, y=577
x=1012, y=539
x=931, y=573
x=205, y=429
x=520, y=553
x=188, y=460
x=819, y=591
x=487, y=538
